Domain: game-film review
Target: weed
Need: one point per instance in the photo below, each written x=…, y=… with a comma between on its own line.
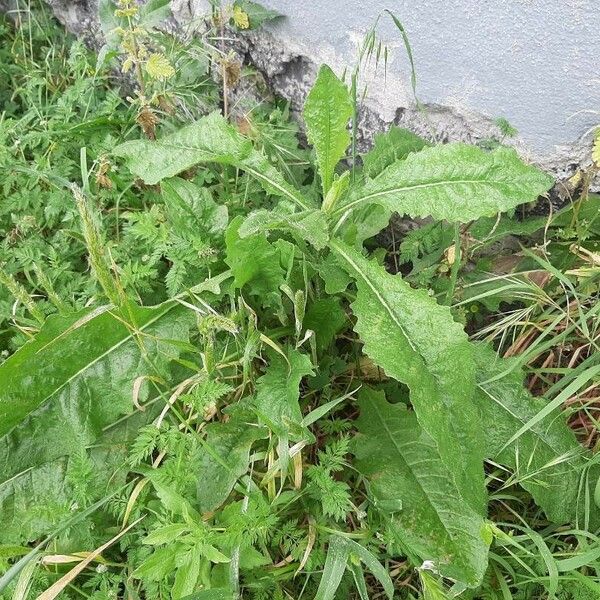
x=225, y=393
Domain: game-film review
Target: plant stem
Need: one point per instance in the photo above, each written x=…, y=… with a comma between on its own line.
x=455, y=265
x=354, y=119
x=20, y=293
x=138, y=66
x=223, y=66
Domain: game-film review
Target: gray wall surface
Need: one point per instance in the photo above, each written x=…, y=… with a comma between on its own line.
x=535, y=62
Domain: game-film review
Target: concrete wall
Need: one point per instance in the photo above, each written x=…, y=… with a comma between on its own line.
x=535, y=62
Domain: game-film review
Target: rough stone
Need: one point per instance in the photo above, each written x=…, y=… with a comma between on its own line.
x=289, y=70
x=531, y=61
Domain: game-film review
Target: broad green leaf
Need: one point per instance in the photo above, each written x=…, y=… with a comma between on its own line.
x=338, y=188
x=75, y=378
x=65, y=525
x=210, y=139
x=335, y=277
x=364, y=223
x=452, y=182
x=277, y=391
x=255, y=263
x=214, y=555
x=273, y=182
x=401, y=461
x=154, y=12
x=13, y=551
x=257, y=14
x=159, y=565
x=547, y=459
x=389, y=147
x=433, y=588
x=34, y=503
x=68, y=392
x=186, y=576
x=309, y=225
x=251, y=558
x=190, y=205
x=325, y=317
x=108, y=21
x=416, y=341
x=170, y=498
x=165, y=534
x=225, y=458
x=40, y=500
x=327, y=110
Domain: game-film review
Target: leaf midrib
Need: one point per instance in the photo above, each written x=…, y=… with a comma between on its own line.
x=385, y=427
x=294, y=197
x=408, y=188
x=328, y=150
x=375, y=291
x=438, y=387
x=388, y=308
x=113, y=348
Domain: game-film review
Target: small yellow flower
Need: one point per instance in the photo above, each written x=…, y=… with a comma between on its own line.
x=142, y=51
x=596, y=149
x=127, y=64
x=126, y=12
x=240, y=18
x=128, y=46
x=159, y=67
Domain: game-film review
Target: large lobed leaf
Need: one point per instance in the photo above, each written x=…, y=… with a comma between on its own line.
x=42, y=498
x=34, y=503
x=75, y=378
x=327, y=109
x=416, y=341
x=452, y=182
x=547, y=460
x=210, y=139
x=432, y=521
x=67, y=397
x=309, y=225
x=225, y=459
x=255, y=264
x=389, y=147
x=277, y=391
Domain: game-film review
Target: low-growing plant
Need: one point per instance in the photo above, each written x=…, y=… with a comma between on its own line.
x=295, y=420
x=65, y=113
